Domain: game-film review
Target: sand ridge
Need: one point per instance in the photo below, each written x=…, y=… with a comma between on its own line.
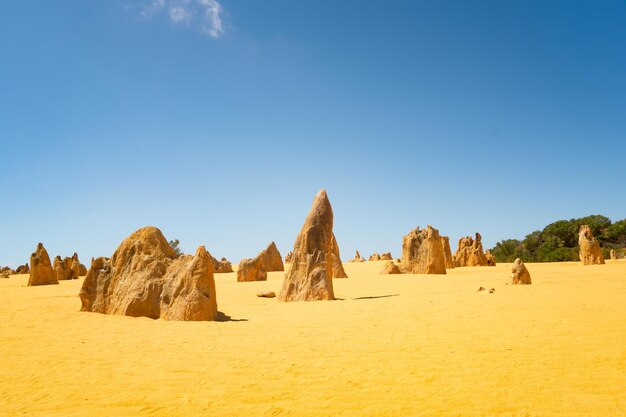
x=409, y=345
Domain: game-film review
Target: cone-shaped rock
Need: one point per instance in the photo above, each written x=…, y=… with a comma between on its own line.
x=315, y=259
x=470, y=252
x=422, y=252
x=447, y=252
x=145, y=277
x=357, y=258
x=272, y=258
x=590, y=251
x=256, y=269
x=520, y=275
x=41, y=272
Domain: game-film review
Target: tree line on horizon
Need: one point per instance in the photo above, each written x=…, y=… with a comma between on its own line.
x=558, y=241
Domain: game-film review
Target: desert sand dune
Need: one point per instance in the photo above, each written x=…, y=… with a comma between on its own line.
x=392, y=345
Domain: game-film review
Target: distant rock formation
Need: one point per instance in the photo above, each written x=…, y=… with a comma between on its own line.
x=62, y=269
x=422, y=252
x=256, y=269
x=289, y=257
x=223, y=266
x=470, y=252
x=78, y=269
x=145, y=277
x=386, y=256
x=520, y=275
x=22, y=269
x=447, y=252
x=390, y=268
x=357, y=258
x=41, y=272
x=613, y=254
x=491, y=260
x=374, y=257
x=590, y=251
x=316, y=259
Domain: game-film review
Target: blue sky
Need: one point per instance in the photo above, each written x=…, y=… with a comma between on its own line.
x=218, y=121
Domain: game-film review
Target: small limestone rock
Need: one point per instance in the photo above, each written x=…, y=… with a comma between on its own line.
x=590, y=251
x=520, y=275
x=266, y=294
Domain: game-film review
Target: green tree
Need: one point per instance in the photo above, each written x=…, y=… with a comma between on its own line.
x=174, y=244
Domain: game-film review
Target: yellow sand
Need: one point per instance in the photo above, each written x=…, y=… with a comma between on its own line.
x=393, y=346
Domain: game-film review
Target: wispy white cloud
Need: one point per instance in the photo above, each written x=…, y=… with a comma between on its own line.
x=203, y=14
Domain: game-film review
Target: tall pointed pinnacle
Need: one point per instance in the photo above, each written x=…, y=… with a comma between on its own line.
x=316, y=259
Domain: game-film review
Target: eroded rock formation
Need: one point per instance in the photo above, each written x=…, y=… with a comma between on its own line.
x=41, y=272
x=289, y=257
x=357, y=258
x=470, y=252
x=316, y=259
x=422, y=252
x=590, y=251
x=145, y=277
x=520, y=275
x=491, y=260
x=374, y=257
x=613, y=254
x=223, y=266
x=447, y=252
x=256, y=269
x=22, y=269
x=62, y=269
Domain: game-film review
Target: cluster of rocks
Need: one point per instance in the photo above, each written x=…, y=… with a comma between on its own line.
x=382, y=257
x=289, y=257
x=315, y=260
x=470, y=252
x=68, y=268
x=145, y=277
x=256, y=269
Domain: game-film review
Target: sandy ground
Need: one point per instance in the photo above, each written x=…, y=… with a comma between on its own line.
x=392, y=346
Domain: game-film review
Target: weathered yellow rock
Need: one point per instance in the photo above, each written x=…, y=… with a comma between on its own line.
x=422, y=252
x=590, y=251
x=145, y=277
x=470, y=252
x=316, y=259
x=520, y=275
x=491, y=260
x=447, y=252
x=41, y=272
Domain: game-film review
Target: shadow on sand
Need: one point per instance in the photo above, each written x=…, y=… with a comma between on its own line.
x=224, y=317
x=371, y=297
